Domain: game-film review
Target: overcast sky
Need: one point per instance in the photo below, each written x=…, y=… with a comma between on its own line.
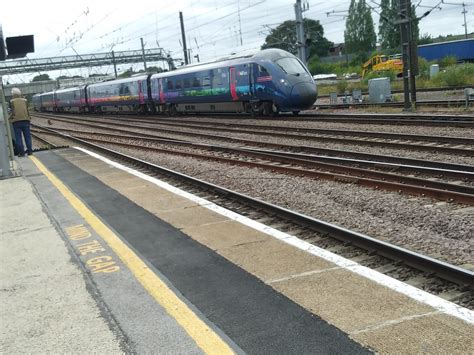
x=63, y=27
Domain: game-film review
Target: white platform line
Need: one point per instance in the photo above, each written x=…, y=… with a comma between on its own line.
x=303, y=274
x=393, y=322
x=396, y=285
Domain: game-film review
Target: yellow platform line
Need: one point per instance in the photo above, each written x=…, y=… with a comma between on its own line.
x=208, y=340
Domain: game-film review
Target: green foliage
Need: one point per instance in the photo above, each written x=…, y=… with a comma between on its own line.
x=425, y=39
x=447, y=61
x=391, y=35
x=423, y=68
x=315, y=66
x=127, y=73
x=154, y=69
x=41, y=77
x=284, y=37
x=359, y=35
x=342, y=86
x=360, y=58
x=456, y=75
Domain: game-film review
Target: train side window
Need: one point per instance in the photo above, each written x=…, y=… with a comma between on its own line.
x=169, y=84
x=187, y=84
x=179, y=84
x=206, y=81
x=196, y=83
x=262, y=70
x=217, y=79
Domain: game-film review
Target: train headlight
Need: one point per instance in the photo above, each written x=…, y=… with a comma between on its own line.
x=284, y=82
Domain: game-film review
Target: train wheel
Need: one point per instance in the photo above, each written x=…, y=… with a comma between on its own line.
x=172, y=110
x=270, y=109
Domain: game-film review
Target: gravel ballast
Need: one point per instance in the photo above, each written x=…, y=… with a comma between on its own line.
x=439, y=229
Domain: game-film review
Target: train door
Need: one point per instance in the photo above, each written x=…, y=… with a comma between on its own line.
x=233, y=84
x=161, y=91
x=141, y=96
x=252, y=79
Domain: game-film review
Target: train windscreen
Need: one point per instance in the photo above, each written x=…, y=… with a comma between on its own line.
x=291, y=66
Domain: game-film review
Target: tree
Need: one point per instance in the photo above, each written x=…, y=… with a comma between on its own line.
x=359, y=35
x=367, y=28
x=425, y=39
x=394, y=36
x=41, y=77
x=284, y=37
x=385, y=25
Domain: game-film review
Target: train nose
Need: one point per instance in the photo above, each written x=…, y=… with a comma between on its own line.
x=303, y=95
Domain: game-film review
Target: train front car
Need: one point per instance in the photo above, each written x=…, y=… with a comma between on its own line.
x=282, y=82
x=123, y=95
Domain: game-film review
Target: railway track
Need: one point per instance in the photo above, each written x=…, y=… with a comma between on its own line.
x=306, y=165
x=353, y=118
x=439, y=103
x=389, y=119
x=450, y=145
x=439, y=89
x=449, y=281
x=327, y=153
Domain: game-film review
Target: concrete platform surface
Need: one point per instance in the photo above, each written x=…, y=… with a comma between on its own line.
x=44, y=302
x=166, y=272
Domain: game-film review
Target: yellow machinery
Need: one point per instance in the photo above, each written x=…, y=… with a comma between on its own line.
x=382, y=63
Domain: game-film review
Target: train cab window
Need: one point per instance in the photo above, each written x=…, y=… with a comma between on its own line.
x=206, y=81
x=291, y=66
x=262, y=71
x=179, y=84
x=196, y=83
x=169, y=84
x=187, y=84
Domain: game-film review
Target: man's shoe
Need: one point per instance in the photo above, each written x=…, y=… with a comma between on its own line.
x=21, y=155
x=30, y=153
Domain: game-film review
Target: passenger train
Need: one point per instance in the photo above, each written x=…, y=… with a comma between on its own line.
x=267, y=82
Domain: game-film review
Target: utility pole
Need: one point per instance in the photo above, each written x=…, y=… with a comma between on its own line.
x=464, y=12
x=300, y=37
x=405, y=40
x=143, y=53
x=240, y=25
x=115, y=64
x=413, y=55
x=6, y=151
x=183, y=36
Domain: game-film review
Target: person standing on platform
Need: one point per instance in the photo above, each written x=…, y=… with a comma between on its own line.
x=20, y=118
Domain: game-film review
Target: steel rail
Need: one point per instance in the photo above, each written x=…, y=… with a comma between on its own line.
x=452, y=150
x=443, y=88
x=324, y=161
x=52, y=145
x=342, y=174
x=419, y=261
x=412, y=137
x=444, y=103
x=298, y=148
x=212, y=125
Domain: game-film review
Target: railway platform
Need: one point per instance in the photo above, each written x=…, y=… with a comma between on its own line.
x=99, y=257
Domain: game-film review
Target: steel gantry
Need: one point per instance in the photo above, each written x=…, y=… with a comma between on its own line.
x=10, y=67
